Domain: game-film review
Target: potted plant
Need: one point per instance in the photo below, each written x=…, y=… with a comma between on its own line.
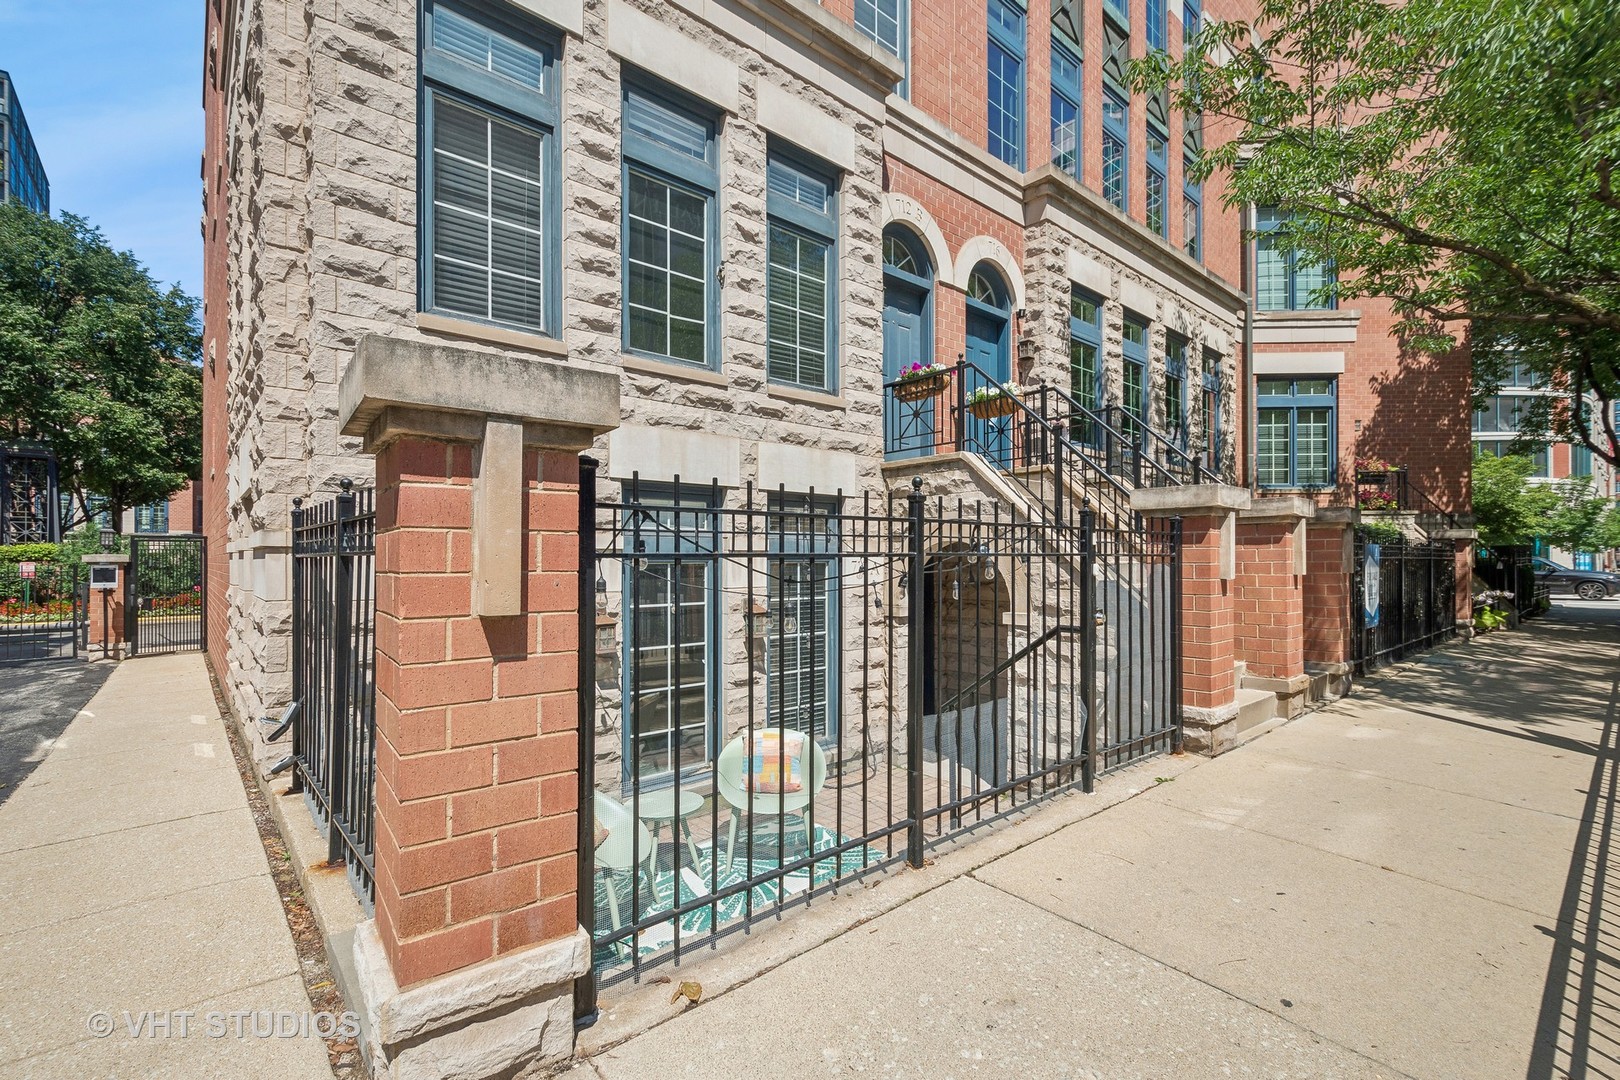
x=1373, y=471
x=990, y=402
x=920, y=381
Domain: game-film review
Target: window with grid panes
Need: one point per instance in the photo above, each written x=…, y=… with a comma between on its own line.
x=1157, y=166
x=670, y=670
x=1175, y=388
x=1134, y=348
x=1005, y=56
x=1294, y=438
x=489, y=193
x=669, y=264
x=1066, y=82
x=1115, y=140
x=1286, y=280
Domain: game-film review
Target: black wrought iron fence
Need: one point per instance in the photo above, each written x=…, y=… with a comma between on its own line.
x=1512, y=570
x=42, y=610
x=1404, y=597
x=334, y=688
x=789, y=690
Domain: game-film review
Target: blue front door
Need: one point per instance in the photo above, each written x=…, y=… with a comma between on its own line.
x=909, y=429
x=987, y=350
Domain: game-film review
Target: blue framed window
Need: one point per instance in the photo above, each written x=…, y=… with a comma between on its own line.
x=1158, y=26
x=1134, y=349
x=1175, y=388
x=802, y=644
x=1119, y=9
x=1066, y=82
x=1287, y=280
x=800, y=274
x=1191, y=18
x=154, y=517
x=490, y=211
x=671, y=308
x=1158, y=164
x=1210, y=418
x=1115, y=140
x=1294, y=437
x=1085, y=360
x=671, y=662
x=1006, y=82
x=1192, y=210
x=1580, y=460
x=888, y=22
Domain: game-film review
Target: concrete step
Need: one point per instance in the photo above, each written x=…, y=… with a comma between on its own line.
x=1255, y=707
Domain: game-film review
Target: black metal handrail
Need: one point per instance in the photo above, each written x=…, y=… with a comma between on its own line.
x=1122, y=455
x=1407, y=496
x=1023, y=440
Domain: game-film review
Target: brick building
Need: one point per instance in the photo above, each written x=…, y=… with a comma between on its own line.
x=751, y=218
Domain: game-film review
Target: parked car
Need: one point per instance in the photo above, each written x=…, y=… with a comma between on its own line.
x=1586, y=584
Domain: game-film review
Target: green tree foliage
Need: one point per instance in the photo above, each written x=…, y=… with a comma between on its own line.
x=1509, y=510
x=97, y=361
x=1455, y=156
x=1582, y=519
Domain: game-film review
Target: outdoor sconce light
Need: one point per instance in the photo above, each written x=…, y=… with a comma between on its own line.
x=903, y=581
x=1099, y=618
x=109, y=539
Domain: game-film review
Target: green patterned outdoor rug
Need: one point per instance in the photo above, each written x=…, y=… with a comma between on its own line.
x=694, y=883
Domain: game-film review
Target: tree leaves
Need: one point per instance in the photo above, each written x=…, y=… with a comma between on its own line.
x=1455, y=156
x=97, y=361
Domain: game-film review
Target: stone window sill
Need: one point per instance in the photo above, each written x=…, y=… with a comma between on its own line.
x=490, y=335
x=663, y=369
x=808, y=397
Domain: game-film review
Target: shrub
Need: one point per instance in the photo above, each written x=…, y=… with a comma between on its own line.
x=1381, y=532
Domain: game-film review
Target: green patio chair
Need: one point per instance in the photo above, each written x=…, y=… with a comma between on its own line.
x=627, y=842
x=731, y=780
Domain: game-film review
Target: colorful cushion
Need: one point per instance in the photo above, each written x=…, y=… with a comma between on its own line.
x=776, y=762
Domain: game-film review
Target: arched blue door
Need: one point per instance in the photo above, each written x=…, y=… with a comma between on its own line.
x=989, y=349
x=909, y=427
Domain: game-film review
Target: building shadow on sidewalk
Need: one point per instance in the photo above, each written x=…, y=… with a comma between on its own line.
x=1578, y=1029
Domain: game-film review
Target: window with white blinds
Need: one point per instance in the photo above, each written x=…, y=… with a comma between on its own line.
x=799, y=275
x=490, y=209
x=801, y=641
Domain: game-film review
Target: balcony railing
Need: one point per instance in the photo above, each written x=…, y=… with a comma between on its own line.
x=1393, y=490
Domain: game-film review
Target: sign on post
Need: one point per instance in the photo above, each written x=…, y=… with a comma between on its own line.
x=1371, y=592
x=25, y=570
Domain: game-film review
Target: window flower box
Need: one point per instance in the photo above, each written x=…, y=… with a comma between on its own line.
x=992, y=402
x=920, y=382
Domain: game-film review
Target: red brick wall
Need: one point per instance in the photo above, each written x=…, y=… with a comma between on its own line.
x=477, y=719
x=1269, y=602
x=1207, y=680
x=1328, y=624
x=216, y=329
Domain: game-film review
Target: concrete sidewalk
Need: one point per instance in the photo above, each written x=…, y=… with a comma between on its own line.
x=1408, y=883
x=132, y=879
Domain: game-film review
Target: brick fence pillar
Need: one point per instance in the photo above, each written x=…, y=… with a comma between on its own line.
x=468, y=967
x=1270, y=590
x=1329, y=611
x=1208, y=566
x=107, y=613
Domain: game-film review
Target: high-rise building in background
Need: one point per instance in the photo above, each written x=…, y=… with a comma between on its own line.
x=22, y=175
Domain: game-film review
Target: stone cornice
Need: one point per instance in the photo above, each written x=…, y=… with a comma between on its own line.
x=1050, y=188
x=831, y=39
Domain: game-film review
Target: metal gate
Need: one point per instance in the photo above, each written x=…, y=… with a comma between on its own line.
x=167, y=602
x=1404, y=599
x=790, y=690
x=42, y=611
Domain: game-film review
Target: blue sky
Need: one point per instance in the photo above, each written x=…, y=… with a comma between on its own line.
x=113, y=92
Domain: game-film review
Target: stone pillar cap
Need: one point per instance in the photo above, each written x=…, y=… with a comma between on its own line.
x=1189, y=499
x=1279, y=508
x=105, y=557
x=395, y=387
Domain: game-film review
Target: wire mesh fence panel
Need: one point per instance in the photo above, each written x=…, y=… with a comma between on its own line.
x=334, y=675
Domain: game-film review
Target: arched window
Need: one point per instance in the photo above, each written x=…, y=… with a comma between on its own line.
x=986, y=286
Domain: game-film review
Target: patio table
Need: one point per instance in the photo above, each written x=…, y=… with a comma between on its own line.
x=658, y=808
